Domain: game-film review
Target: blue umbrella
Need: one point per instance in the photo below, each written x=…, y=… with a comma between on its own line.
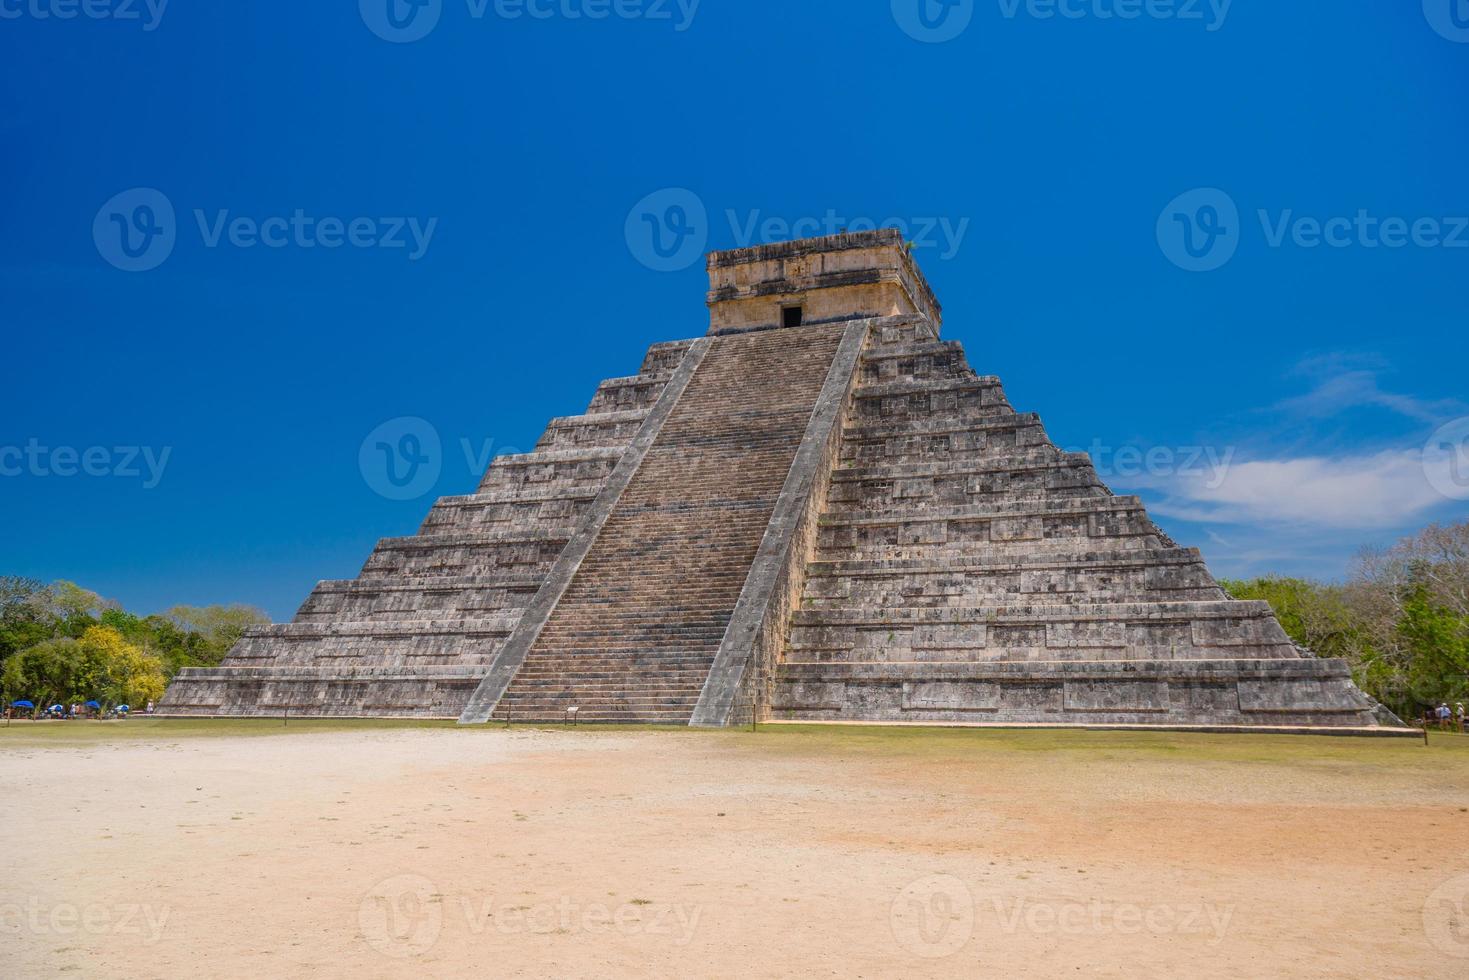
x=21, y=704
x=93, y=704
x=123, y=707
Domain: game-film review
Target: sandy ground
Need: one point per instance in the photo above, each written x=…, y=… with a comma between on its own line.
x=173, y=848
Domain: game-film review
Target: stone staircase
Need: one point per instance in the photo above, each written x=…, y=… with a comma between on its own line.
x=634, y=635
x=967, y=569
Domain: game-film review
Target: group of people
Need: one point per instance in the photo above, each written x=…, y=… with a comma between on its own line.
x=1451, y=720
x=71, y=712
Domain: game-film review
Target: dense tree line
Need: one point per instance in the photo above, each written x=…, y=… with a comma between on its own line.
x=1401, y=619
x=62, y=643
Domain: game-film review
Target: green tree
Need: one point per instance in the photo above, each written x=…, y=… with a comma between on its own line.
x=24, y=614
x=76, y=609
x=119, y=672
x=47, y=673
x=218, y=628
x=1438, y=667
x=1318, y=616
x=78, y=645
x=1414, y=599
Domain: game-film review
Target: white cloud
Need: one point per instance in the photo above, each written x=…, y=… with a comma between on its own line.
x=1267, y=505
x=1387, y=489
x=1345, y=382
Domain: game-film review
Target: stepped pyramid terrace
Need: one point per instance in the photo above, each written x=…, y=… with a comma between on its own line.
x=818, y=511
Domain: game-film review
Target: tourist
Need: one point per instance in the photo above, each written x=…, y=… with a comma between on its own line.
x=1459, y=712
x=1443, y=716
x=149, y=709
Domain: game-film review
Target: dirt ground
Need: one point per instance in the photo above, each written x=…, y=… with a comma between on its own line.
x=160, y=848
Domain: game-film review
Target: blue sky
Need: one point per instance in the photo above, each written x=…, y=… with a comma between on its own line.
x=1055, y=170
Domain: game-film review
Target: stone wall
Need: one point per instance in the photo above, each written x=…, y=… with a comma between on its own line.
x=839, y=277
x=968, y=570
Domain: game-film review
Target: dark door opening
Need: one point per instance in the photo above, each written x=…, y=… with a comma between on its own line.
x=790, y=316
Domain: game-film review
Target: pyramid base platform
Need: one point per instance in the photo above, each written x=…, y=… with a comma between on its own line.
x=1222, y=695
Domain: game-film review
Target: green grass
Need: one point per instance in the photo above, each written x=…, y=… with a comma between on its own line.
x=926, y=743
x=915, y=743
x=144, y=729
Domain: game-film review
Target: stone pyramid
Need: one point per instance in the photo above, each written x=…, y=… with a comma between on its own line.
x=816, y=512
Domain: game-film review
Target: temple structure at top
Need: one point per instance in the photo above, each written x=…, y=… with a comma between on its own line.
x=817, y=511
